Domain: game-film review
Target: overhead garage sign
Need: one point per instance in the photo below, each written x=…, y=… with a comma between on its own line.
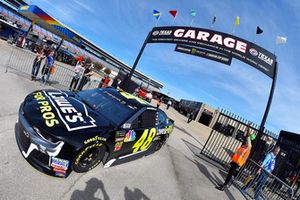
x=223, y=43
x=222, y=58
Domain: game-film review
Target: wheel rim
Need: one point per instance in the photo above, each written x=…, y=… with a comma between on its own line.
x=158, y=146
x=89, y=157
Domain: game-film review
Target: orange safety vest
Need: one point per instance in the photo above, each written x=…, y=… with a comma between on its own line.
x=241, y=155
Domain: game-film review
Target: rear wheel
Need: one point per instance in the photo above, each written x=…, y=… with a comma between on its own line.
x=88, y=157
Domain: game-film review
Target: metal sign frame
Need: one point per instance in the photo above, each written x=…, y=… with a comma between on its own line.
x=220, y=42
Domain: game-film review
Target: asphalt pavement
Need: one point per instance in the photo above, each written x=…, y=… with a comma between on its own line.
x=175, y=172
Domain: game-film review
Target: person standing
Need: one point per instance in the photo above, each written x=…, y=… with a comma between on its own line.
x=190, y=116
x=37, y=63
x=169, y=104
x=79, y=69
x=263, y=172
x=116, y=82
x=86, y=76
x=101, y=83
x=105, y=82
x=239, y=158
x=158, y=103
x=47, y=69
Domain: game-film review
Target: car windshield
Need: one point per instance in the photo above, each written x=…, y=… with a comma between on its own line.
x=108, y=104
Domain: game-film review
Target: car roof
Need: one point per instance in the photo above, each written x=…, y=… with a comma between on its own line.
x=132, y=99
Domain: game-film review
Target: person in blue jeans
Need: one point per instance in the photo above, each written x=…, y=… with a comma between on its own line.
x=263, y=172
x=37, y=63
x=47, y=69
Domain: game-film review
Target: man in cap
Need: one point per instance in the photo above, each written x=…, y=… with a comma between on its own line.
x=239, y=158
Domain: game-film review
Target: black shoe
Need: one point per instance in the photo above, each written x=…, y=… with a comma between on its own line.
x=220, y=187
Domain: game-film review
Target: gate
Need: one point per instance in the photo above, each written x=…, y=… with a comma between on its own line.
x=226, y=136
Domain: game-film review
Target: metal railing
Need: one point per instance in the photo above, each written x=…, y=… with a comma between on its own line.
x=224, y=139
x=226, y=136
x=22, y=60
x=261, y=185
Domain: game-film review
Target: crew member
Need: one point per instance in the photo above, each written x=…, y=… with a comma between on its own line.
x=239, y=158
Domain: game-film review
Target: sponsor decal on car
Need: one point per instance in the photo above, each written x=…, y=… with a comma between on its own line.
x=119, y=139
x=59, y=163
x=162, y=131
x=145, y=140
x=60, y=174
x=120, y=134
x=46, y=109
x=69, y=115
x=118, y=146
x=94, y=139
x=169, y=129
x=84, y=151
x=130, y=136
x=127, y=125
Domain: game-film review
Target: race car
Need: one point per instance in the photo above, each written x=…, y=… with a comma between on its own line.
x=58, y=132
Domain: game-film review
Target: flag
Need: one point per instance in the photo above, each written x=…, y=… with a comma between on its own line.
x=173, y=13
x=214, y=20
x=193, y=13
x=259, y=30
x=237, y=21
x=281, y=40
x=156, y=14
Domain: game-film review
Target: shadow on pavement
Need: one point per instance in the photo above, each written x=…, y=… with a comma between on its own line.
x=205, y=171
x=197, y=152
x=93, y=190
x=135, y=194
x=184, y=131
x=212, y=177
x=227, y=192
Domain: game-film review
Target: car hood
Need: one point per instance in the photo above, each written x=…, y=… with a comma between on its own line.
x=61, y=114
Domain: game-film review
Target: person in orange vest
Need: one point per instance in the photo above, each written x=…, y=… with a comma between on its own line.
x=239, y=158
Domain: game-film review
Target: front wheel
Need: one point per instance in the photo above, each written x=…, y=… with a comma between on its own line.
x=88, y=157
x=157, y=144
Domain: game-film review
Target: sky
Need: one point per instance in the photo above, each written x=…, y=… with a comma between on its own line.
x=121, y=26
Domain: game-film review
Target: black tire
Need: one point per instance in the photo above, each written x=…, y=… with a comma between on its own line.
x=88, y=157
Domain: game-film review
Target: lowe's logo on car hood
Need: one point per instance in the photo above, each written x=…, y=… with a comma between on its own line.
x=73, y=118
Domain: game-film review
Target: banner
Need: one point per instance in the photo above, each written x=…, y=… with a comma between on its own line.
x=204, y=54
x=222, y=43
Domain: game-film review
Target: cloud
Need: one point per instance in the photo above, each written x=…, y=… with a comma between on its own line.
x=85, y=5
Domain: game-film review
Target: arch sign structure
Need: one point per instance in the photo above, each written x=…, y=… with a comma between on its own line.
x=226, y=46
x=217, y=46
